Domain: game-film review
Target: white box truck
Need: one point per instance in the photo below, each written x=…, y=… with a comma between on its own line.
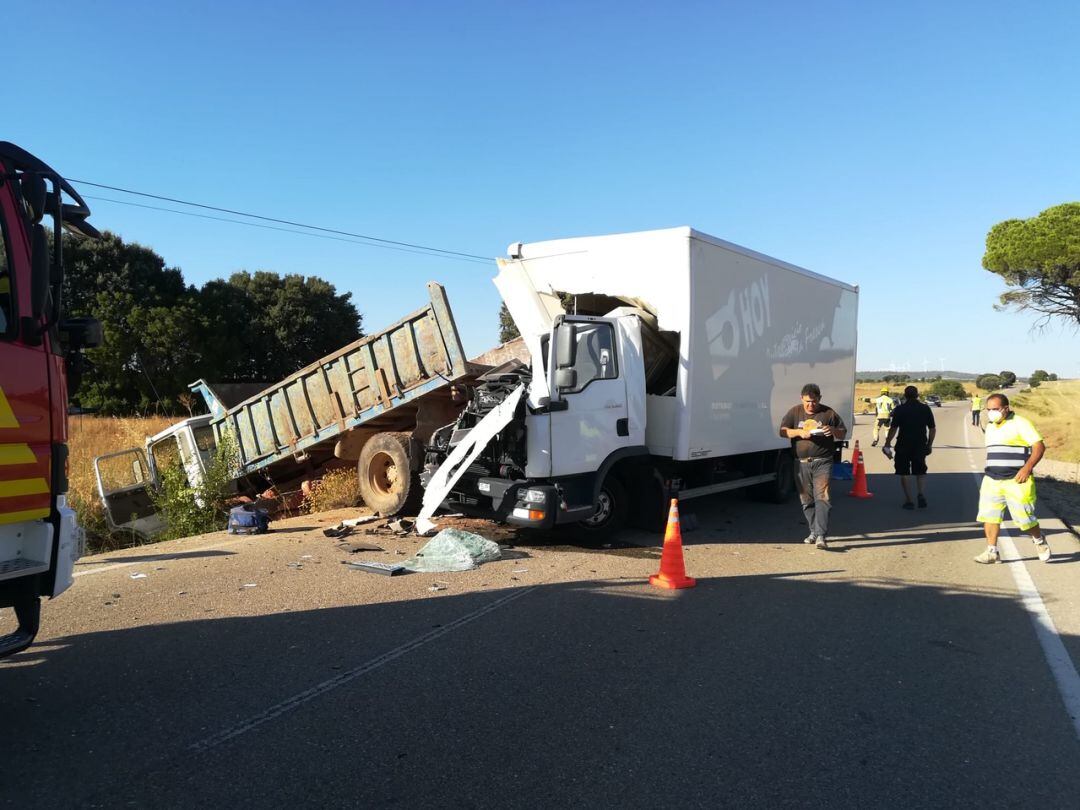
x=669, y=375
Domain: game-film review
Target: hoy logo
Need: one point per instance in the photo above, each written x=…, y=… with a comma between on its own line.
x=740, y=322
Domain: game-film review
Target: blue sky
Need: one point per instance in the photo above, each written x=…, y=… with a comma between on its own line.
x=874, y=144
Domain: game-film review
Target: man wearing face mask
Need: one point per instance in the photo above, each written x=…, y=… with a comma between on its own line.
x=1013, y=448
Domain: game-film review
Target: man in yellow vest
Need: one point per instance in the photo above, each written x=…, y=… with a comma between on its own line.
x=976, y=409
x=884, y=407
x=1013, y=448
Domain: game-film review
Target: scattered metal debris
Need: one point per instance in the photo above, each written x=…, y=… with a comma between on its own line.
x=373, y=567
x=353, y=548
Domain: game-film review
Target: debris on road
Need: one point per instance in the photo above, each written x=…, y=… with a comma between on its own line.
x=249, y=585
x=401, y=525
x=453, y=550
x=358, y=521
x=138, y=576
x=353, y=548
x=439, y=586
x=373, y=567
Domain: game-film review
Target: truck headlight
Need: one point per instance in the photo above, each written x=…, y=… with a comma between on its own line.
x=535, y=496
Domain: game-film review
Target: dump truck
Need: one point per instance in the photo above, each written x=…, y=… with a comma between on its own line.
x=668, y=377
x=40, y=366
x=374, y=402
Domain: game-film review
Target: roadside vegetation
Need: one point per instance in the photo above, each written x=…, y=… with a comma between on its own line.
x=1054, y=407
x=337, y=489
x=189, y=510
x=90, y=436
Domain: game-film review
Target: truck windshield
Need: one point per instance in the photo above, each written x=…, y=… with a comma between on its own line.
x=165, y=453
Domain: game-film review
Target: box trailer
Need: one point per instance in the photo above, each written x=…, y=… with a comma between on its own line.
x=670, y=374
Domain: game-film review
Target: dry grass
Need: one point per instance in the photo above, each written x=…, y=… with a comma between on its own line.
x=1054, y=407
x=90, y=436
x=337, y=489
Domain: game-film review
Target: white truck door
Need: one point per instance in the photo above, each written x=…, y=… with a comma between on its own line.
x=590, y=416
x=124, y=482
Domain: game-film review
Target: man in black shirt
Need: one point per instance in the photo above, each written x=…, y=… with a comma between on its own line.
x=915, y=421
x=814, y=430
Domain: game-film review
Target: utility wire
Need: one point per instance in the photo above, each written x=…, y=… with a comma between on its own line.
x=284, y=230
x=282, y=221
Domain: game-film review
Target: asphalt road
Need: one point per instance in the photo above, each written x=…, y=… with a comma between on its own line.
x=890, y=670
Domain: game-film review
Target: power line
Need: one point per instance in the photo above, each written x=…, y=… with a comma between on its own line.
x=283, y=230
x=282, y=221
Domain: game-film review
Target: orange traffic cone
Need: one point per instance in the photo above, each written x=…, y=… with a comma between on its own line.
x=858, y=489
x=672, y=569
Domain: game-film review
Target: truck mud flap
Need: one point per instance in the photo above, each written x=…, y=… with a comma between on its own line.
x=463, y=455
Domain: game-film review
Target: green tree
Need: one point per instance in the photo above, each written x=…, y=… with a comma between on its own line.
x=150, y=319
x=507, y=328
x=1052, y=377
x=1039, y=259
x=1007, y=377
x=948, y=389
x=989, y=382
x=268, y=326
x=1038, y=375
x=161, y=334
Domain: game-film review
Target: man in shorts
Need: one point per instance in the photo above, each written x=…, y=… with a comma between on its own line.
x=1013, y=448
x=814, y=430
x=915, y=422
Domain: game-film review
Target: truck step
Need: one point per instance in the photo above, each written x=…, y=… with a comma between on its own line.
x=21, y=566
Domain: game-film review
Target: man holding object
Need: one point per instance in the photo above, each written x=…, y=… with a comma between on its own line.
x=814, y=430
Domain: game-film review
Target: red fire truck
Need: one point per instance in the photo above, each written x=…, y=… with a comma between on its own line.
x=40, y=363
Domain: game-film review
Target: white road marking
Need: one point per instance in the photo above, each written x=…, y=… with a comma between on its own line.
x=1057, y=657
x=307, y=695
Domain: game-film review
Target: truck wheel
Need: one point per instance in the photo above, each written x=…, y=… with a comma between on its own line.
x=782, y=487
x=612, y=506
x=387, y=482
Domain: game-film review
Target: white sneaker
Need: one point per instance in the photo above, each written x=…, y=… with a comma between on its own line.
x=1043, y=549
x=989, y=557
x=821, y=543
x=810, y=539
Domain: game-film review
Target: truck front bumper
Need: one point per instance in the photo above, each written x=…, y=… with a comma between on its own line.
x=520, y=503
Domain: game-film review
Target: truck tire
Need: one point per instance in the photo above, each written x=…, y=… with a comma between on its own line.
x=388, y=483
x=780, y=489
x=612, y=507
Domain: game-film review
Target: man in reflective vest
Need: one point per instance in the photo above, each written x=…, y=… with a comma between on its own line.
x=976, y=409
x=1013, y=448
x=884, y=406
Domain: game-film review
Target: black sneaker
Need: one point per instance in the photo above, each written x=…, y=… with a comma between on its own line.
x=908, y=505
x=922, y=502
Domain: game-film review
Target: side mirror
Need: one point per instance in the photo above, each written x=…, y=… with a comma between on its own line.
x=39, y=272
x=565, y=378
x=565, y=345
x=34, y=194
x=82, y=333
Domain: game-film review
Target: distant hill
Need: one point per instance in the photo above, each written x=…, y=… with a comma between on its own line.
x=915, y=375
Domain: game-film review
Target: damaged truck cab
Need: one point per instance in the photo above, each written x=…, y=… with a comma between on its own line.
x=669, y=377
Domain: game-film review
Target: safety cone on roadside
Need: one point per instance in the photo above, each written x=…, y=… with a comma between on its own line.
x=672, y=569
x=858, y=489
